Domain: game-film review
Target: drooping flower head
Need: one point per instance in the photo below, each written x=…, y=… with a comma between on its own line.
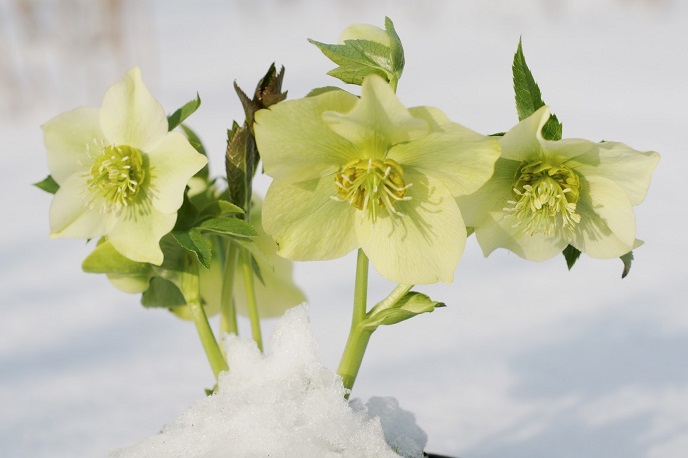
x=121, y=173
x=546, y=195
x=367, y=172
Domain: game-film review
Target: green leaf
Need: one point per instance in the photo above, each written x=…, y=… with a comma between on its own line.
x=397, y=50
x=105, y=259
x=412, y=304
x=194, y=242
x=241, y=151
x=529, y=98
x=162, y=294
x=358, y=59
x=627, y=259
x=228, y=226
x=48, y=185
x=184, y=112
x=218, y=208
x=571, y=254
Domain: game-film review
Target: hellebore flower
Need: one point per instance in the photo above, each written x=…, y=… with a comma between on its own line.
x=545, y=195
x=121, y=173
x=367, y=172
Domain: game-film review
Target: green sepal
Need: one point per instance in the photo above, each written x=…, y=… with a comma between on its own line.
x=48, y=185
x=529, y=98
x=162, y=293
x=410, y=305
x=571, y=254
x=105, y=259
x=228, y=226
x=194, y=242
x=627, y=259
x=176, y=118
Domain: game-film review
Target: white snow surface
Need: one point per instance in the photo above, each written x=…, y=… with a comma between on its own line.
x=284, y=404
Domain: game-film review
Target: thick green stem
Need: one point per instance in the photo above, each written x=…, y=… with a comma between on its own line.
x=352, y=357
x=358, y=337
x=251, y=303
x=228, y=318
x=190, y=289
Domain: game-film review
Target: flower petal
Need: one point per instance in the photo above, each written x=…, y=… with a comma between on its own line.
x=491, y=197
x=138, y=232
x=306, y=223
x=172, y=164
x=607, y=226
x=461, y=159
x=68, y=139
x=424, y=245
x=524, y=140
x=631, y=170
x=377, y=121
x=498, y=231
x=295, y=144
x=129, y=114
x=70, y=213
x=365, y=32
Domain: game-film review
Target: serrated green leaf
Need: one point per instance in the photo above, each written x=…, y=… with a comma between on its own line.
x=162, y=294
x=571, y=254
x=105, y=259
x=358, y=59
x=627, y=259
x=228, y=226
x=48, y=185
x=412, y=304
x=194, y=242
x=176, y=118
x=528, y=96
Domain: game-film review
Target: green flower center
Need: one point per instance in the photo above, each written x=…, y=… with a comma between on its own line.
x=117, y=175
x=545, y=198
x=372, y=185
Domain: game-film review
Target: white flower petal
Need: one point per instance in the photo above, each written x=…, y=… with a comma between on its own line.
x=523, y=141
x=294, y=143
x=172, y=164
x=607, y=226
x=629, y=169
x=425, y=245
x=138, y=232
x=70, y=215
x=377, y=121
x=130, y=116
x=461, y=159
x=491, y=197
x=69, y=139
x=306, y=223
x=498, y=231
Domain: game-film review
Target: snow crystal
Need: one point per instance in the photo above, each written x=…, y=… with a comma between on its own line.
x=284, y=404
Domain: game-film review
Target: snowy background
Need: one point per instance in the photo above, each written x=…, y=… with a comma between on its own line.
x=527, y=360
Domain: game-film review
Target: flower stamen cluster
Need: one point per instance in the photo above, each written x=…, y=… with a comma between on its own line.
x=371, y=185
x=116, y=175
x=545, y=198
